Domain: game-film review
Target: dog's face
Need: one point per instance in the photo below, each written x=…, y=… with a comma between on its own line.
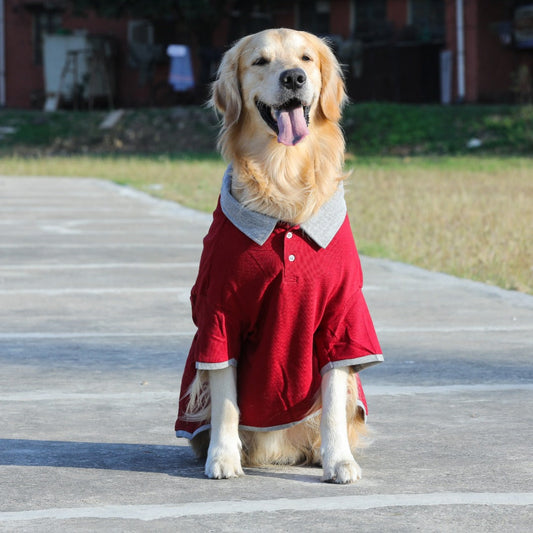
x=283, y=82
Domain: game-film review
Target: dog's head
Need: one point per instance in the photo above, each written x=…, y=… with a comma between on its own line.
x=283, y=82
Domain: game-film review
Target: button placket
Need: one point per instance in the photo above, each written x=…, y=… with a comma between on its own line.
x=290, y=256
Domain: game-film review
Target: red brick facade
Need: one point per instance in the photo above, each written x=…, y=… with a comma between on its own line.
x=489, y=64
x=25, y=86
x=22, y=75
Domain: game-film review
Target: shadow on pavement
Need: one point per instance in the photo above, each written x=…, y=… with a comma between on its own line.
x=171, y=460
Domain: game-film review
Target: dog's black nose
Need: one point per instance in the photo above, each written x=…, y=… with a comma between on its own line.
x=293, y=78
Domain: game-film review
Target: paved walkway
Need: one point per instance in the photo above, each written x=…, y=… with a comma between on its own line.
x=94, y=330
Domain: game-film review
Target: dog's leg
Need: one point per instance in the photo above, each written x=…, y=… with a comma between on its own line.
x=224, y=453
x=337, y=459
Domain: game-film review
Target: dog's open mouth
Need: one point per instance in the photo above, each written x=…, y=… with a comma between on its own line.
x=290, y=121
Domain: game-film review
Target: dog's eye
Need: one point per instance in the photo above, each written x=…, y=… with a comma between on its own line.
x=305, y=57
x=260, y=61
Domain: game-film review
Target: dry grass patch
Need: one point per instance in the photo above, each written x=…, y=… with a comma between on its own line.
x=471, y=218
x=191, y=182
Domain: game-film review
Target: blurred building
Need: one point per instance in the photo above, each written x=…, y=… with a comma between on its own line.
x=394, y=50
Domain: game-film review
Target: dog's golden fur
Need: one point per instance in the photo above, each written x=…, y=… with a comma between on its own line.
x=297, y=445
x=287, y=182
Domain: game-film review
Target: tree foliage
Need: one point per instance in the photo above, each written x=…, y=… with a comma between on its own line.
x=199, y=17
x=191, y=10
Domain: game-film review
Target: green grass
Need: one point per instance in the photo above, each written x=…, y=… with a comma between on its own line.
x=139, y=131
x=399, y=129
x=468, y=216
x=40, y=129
x=370, y=129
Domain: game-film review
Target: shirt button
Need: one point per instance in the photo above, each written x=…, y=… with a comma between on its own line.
x=289, y=235
x=291, y=258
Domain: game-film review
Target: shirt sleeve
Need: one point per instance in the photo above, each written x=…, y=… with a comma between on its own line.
x=215, y=307
x=347, y=336
x=218, y=341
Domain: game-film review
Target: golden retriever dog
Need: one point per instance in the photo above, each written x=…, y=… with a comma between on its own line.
x=282, y=325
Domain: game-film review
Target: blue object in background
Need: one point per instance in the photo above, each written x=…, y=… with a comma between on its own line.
x=181, y=76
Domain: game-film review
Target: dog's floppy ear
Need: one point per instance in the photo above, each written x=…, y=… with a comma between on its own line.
x=225, y=91
x=333, y=95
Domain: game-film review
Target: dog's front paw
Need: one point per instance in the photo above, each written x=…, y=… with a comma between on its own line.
x=341, y=471
x=223, y=463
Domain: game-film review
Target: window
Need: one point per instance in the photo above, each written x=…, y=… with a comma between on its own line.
x=314, y=16
x=371, y=20
x=44, y=22
x=427, y=18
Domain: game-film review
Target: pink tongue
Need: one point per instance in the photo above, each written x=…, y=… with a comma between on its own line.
x=292, y=126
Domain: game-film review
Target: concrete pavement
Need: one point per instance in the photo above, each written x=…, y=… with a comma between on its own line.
x=94, y=330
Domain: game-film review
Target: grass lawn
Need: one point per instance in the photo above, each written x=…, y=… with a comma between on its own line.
x=469, y=216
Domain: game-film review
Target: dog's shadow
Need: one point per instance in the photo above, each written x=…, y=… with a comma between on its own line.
x=171, y=460
x=301, y=474
x=176, y=461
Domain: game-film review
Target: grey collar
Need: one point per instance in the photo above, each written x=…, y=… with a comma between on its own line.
x=321, y=227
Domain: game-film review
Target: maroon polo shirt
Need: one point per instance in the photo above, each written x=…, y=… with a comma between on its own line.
x=283, y=312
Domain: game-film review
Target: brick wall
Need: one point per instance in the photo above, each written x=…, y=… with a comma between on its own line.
x=489, y=65
x=24, y=79
x=25, y=86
